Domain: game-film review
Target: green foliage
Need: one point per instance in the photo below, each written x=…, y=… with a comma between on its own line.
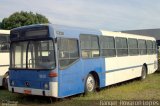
x=22, y=18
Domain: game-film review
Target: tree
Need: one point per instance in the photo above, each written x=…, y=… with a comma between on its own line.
x=22, y=18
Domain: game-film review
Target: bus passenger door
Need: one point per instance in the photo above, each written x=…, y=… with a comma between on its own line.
x=70, y=81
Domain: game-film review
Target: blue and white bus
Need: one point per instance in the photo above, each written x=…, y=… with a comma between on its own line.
x=59, y=61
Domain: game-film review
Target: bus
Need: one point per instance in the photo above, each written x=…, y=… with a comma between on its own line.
x=60, y=61
x=4, y=56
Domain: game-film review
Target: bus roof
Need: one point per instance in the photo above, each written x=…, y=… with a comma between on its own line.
x=74, y=32
x=69, y=29
x=4, y=31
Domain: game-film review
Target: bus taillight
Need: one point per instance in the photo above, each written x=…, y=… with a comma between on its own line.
x=53, y=74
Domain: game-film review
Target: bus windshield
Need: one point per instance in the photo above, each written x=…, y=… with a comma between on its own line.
x=33, y=55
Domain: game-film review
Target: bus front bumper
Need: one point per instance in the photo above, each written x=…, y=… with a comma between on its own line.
x=53, y=92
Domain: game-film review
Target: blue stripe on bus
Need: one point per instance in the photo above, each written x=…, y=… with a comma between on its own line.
x=125, y=68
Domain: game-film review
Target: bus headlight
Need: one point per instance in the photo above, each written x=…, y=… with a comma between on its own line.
x=12, y=83
x=46, y=86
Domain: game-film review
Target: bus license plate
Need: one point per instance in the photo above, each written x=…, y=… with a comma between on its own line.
x=27, y=91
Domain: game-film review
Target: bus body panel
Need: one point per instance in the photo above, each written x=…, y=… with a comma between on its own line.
x=97, y=65
x=72, y=79
x=125, y=68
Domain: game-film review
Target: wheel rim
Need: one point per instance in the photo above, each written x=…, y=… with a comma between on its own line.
x=90, y=83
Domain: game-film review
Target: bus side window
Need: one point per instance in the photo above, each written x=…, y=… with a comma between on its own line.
x=133, y=46
x=68, y=51
x=89, y=46
x=149, y=47
x=154, y=47
x=121, y=46
x=107, y=45
x=142, y=47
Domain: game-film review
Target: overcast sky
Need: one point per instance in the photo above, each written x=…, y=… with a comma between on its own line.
x=112, y=15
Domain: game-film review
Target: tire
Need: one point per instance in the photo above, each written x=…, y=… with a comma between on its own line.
x=90, y=84
x=5, y=83
x=144, y=73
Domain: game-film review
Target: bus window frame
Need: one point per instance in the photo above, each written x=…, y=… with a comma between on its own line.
x=139, y=49
x=121, y=48
x=58, y=50
x=149, y=50
x=98, y=41
x=131, y=54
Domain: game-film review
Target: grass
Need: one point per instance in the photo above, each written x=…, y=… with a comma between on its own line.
x=148, y=89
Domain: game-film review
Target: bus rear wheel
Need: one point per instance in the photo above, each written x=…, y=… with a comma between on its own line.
x=90, y=84
x=144, y=72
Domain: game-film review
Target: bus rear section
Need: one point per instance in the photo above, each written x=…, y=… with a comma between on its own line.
x=134, y=56
x=4, y=56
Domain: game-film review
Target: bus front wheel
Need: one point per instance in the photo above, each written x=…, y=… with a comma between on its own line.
x=90, y=84
x=144, y=72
